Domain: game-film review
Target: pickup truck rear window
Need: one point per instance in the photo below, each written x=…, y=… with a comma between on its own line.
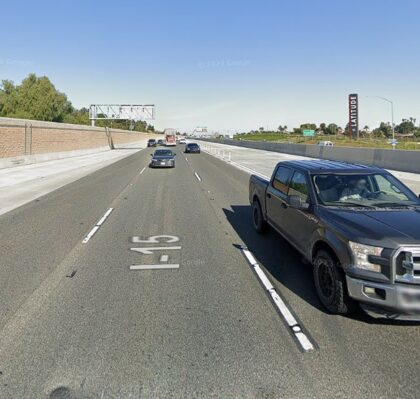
x=281, y=179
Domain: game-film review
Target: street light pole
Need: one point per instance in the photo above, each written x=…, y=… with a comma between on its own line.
x=392, y=113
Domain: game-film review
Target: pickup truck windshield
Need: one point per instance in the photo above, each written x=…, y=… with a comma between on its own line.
x=363, y=190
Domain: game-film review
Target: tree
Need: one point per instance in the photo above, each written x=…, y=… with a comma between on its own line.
x=308, y=126
x=332, y=128
x=35, y=98
x=78, y=116
x=384, y=130
x=407, y=126
x=322, y=128
x=7, y=95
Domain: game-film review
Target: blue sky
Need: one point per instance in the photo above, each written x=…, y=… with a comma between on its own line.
x=230, y=65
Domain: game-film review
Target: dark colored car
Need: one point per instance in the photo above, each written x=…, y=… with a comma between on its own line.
x=160, y=142
x=151, y=143
x=358, y=225
x=163, y=159
x=192, y=148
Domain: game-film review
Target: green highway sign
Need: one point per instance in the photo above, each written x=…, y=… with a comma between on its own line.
x=309, y=132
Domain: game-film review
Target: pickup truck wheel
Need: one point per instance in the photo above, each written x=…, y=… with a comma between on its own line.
x=260, y=225
x=330, y=285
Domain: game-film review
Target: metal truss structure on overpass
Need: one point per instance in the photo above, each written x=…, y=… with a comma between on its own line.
x=131, y=112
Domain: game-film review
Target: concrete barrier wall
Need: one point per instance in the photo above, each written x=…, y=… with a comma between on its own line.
x=27, y=141
x=406, y=161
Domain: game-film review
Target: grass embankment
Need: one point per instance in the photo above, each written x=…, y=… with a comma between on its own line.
x=343, y=141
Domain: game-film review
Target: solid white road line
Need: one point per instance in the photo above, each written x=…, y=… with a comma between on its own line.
x=97, y=225
x=291, y=321
x=197, y=176
x=154, y=267
x=142, y=170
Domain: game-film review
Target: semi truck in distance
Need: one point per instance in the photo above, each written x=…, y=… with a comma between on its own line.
x=170, y=137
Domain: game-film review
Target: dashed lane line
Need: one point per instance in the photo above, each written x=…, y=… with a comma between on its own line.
x=97, y=226
x=197, y=176
x=154, y=267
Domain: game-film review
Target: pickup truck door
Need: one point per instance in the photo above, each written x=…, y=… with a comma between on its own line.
x=276, y=197
x=298, y=224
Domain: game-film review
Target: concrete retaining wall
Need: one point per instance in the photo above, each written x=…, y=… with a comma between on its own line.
x=406, y=161
x=28, y=141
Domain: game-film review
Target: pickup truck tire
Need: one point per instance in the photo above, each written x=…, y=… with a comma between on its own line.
x=260, y=225
x=330, y=284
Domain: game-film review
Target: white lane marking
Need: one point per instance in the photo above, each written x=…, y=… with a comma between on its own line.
x=249, y=256
x=142, y=170
x=103, y=218
x=90, y=234
x=284, y=310
x=149, y=251
x=197, y=176
x=164, y=258
x=155, y=239
x=263, y=277
x=154, y=267
x=291, y=321
x=97, y=225
x=187, y=160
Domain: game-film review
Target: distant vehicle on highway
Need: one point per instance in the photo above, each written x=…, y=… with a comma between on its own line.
x=151, y=143
x=160, y=142
x=192, y=148
x=163, y=158
x=358, y=225
x=182, y=141
x=170, y=137
x=326, y=143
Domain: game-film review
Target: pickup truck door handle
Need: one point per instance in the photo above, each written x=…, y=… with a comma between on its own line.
x=268, y=195
x=284, y=205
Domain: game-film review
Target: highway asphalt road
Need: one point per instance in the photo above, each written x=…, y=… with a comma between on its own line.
x=84, y=320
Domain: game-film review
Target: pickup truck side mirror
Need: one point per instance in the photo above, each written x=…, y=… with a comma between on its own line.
x=295, y=201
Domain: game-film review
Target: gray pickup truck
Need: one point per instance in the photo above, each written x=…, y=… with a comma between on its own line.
x=358, y=225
